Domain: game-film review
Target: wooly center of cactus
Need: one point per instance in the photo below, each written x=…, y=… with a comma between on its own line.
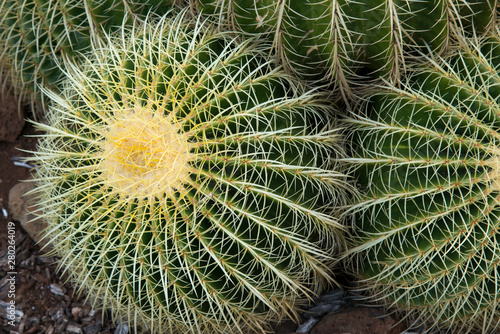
x=145, y=154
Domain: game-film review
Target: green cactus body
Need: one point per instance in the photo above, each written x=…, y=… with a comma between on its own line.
x=426, y=231
x=37, y=35
x=426, y=23
x=336, y=41
x=478, y=16
x=190, y=185
x=371, y=27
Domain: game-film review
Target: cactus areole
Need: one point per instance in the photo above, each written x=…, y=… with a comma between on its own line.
x=189, y=184
x=427, y=231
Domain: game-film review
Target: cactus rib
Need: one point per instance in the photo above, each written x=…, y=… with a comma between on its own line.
x=341, y=42
x=188, y=184
x=426, y=231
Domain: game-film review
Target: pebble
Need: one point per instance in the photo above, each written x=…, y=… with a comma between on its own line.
x=58, y=314
x=28, y=263
x=50, y=330
x=34, y=320
x=56, y=289
x=22, y=325
x=45, y=260
x=35, y=329
x=60, y=327
x=73, y=329
x=92, y=329
x=75, y=311
x=17, y=313
x=307, y=326
x=329, y=302
x=85, y=311
x=121, y=329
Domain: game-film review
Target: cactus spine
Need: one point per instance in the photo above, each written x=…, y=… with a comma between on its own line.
x=36, y=35
x=426, y=233
x=334, y=39
x=188, y=183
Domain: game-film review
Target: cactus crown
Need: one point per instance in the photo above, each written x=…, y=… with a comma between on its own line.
x=426, y=232
x=188, y=183
x=145, y=153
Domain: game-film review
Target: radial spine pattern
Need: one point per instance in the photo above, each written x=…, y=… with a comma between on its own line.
x=189, y=185
x=427, y=231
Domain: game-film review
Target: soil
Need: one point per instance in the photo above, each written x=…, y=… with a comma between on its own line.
x=36, y=298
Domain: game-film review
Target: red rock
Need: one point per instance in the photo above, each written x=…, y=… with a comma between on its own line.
x=360, y=320
x=22, y=207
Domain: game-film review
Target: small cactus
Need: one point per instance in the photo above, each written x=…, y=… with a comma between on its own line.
x=336, y=41
x=426, y=238
x=189, y=184
x=36, y=35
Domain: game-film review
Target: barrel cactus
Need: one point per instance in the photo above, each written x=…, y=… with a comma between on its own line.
x=189, y=184
x=332, y=40
x=426, y=232
x=36, y=35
